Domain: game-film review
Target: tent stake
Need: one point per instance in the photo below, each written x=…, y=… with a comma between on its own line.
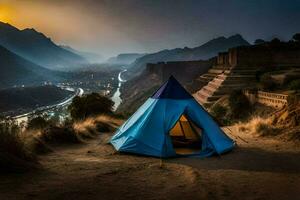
x=161, y=163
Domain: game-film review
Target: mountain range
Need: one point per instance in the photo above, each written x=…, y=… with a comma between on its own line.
x=37, y=48
x=89, y=56
x=29, y=57
x=202, y=52
x=125, y=58
x=15, y=70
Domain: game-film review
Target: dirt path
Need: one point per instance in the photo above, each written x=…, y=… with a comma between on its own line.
x=257, y=169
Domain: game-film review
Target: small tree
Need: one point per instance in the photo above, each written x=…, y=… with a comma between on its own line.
x=275, y=41
x=219, y=113
x=90, y=105
x=239, y=105
x=259, y=41
x=296, y=37
x=294, y=85
x=267, y=82
x=37, y=123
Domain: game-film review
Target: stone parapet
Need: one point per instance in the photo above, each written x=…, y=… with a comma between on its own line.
x=276, y=100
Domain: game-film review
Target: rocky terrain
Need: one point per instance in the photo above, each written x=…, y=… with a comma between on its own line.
x=259, y=168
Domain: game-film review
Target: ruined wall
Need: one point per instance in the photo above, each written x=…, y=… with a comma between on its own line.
x=267, y=98
x=265, y=55
x=223, y=58
x=184, y=71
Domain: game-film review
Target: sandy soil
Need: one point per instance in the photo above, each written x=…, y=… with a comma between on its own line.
x=257, y=169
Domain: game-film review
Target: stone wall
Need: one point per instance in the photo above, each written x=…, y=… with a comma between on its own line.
x=267, y=98
x=265, y=55
x=184, y=71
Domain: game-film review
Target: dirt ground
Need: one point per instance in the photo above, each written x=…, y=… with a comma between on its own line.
x=258, y=168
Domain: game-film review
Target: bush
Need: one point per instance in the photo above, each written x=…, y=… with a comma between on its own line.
x=37, y=123
x=59, y=135
x=294, y=85
x=239, y=105
x=14, y=156
x=90, y=105
x=220, y=114
x=264, y=129
x=267, y=83
x=296, y=37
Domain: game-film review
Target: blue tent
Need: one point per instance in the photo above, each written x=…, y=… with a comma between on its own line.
x=148, y=130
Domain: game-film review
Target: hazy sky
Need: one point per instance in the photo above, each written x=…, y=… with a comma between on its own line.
x=109, y=27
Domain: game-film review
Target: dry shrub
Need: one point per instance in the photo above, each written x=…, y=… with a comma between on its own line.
x=34, y=142
x=264, y=129
x=259, y=126
x=14, y=154
x=59, y=135
x=91, y=127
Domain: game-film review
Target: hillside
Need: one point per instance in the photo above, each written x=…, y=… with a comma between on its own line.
x=203, y=52
x=89, y=56
x=30, y=97
x=15, y=70
x=36, y=47
x=125, y=58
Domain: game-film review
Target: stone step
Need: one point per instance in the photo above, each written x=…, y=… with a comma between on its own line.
x=208, y=104
x=209, y=90
x=208, y=75
x=214, y=85
x=228, y=81
x=200, y=98
x=243, y=71
x=213, y=98
x=206, y=100
x=236, y=77
x=204, y=79
x=221, y=67
x=215, y=71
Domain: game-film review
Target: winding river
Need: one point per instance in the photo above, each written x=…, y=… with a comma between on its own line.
x=116, y=96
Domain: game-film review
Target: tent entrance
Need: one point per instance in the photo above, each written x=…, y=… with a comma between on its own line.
x=186, y=136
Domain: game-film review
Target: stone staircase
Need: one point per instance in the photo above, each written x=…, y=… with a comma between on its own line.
x=219, y=82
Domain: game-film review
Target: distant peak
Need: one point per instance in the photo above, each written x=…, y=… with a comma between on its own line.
x=236, y=36
x=30, y=30
x=7, y=25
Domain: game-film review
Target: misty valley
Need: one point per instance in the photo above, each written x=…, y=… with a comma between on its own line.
x=152, y=100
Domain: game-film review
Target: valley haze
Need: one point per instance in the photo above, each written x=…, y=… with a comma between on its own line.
x=143, y=99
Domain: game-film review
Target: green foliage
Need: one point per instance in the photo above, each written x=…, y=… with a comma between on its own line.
x=275, y=41
x=219, y=113
x=259, y=41
x=37, y=123
x=239, y=105
x=294, y=85
x=14, y=156
x=59, y=135
x=10, y=141
x=296, y=37
x=266, y=129
x=267, y=83
x=90, y=105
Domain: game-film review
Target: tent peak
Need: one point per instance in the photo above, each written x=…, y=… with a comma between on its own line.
x=171, y=89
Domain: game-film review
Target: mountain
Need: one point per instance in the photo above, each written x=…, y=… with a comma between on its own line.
x=36, y=47
x=15, y=70
x=125, y=58
x=203, y=52
x=89, y=56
